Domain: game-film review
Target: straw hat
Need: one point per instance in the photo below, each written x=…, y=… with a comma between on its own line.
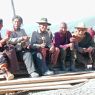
x=81, y=25
x=43, y=21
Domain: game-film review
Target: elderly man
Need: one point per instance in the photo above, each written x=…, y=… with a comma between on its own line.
x=62, y=41
x=84, y=46
x=41, y=41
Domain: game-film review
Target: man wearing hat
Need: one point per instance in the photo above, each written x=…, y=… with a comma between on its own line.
x=84, y=45
x=44, y=21
x=41, y=41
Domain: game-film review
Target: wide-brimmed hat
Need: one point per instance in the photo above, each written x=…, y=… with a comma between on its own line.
x=43, y=21
x=81, y=25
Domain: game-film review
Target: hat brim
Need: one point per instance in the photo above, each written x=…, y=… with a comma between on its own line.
x=44, y=23
x=81, y=27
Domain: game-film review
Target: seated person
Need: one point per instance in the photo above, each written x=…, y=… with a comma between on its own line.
x=20, y=40
x=84, y=46
x=3, y=57
x=62, y=41
x=41, y=42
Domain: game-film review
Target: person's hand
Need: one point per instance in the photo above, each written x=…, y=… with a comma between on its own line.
x=85, y=50
x=71, y=45
x=29, y=47
x=1, y=45
x=43, y=45
x=8, y=33
x=72, y=39
x=25, y=38
x=64, y=46
x=51, y=49
x=89, y=50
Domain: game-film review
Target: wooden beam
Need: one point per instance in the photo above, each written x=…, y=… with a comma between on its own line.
x=47, y=79
x=41, y=84
x=35, y=88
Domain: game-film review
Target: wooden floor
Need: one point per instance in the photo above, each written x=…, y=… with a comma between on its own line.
x=62, y=80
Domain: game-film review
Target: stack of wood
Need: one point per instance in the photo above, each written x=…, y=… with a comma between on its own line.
x=60, y=81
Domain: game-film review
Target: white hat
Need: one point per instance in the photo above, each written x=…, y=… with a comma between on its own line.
x=81, y=25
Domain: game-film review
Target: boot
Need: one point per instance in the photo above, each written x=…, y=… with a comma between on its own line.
x=72, y=66
x=72, y=62
x=93, y=65
x=8, y=75
x=93, y=58
x=63, y=67
x=62, y=59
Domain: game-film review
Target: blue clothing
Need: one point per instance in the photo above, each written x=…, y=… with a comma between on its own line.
x=36, y=40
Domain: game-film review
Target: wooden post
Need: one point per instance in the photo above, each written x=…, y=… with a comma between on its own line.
x=13, y=8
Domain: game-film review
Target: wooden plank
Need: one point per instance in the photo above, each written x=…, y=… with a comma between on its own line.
x=47, y=79
x=36, y=88
x=41, y=84
x=75, y=73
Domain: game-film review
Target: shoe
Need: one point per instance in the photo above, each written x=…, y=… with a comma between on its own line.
x=34, y=75
x=9, y=76
x=93, y=67
x=89, y=66
x=48, y=73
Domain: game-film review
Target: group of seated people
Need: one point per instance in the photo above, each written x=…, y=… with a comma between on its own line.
x=44, y=50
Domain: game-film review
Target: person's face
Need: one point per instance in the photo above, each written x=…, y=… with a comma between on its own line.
x=1, y=25
x=81, y=31
x=43, y=27
x=63, y=28
x=16, y=24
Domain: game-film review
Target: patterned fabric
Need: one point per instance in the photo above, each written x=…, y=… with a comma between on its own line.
x=3, y=59
x=16, y=37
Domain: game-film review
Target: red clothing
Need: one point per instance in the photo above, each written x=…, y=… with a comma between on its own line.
x=91, y=32
x=61, y=39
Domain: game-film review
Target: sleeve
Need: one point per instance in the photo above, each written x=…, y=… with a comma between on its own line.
x=70, y=35
x=34, y=40
x=90, y=41
x=15, y=38
x=49, y=42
